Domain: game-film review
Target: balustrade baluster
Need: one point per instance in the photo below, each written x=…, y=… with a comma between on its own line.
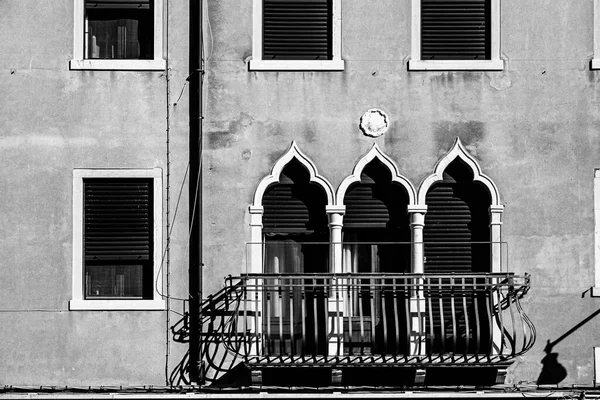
x=281, y=313
x=500, y=318
x=430, y=309
x=408, y=315
x=315, y=298
x=466, y=314
x=477, y=319
x=351, y=297
x=511, y=299
x=396, y=318
x=245, y=321
x=290, y=290
x=442, y=322
x=339, y=329
x=361, y=321
x=257, y=310
x=453, y=316
x=384, y=313
x=303, y=319
x=488, y=310
x=372, y=299
x=268, y=338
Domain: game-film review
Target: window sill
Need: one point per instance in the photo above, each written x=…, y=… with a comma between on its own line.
x=296, y=65
x=595, y=63
x=455, y=65
x=118, y=65
x=110, y=305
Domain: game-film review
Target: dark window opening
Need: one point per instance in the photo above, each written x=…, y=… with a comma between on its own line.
x=297, y=30
x=118, y=238
x=455, y=30
x=457, y=240
x=296, y=242
x=119, y=29
x=377, y=241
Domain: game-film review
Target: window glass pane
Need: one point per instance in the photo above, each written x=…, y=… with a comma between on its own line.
x=114, y=281
x=119, y=34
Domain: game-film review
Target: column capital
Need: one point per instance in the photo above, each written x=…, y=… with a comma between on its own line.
x=496, y=209
x=337, y=209
x=256, y=209
x=421, y=209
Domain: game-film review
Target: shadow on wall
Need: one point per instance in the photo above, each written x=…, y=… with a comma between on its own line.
x=552, y=371
x=220, y=347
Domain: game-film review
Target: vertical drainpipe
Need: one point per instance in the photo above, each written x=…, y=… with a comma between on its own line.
x=195, y=186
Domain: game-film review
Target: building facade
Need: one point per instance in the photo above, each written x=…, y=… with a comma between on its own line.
x=393, y=192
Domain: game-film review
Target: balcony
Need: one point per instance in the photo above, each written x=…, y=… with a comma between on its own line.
x=340, y=322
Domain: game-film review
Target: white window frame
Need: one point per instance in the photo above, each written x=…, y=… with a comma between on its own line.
x=596, y=287
x=596, y=60
x=78, y=302
x=494, y=64
x=80, y=63
x=258, y=64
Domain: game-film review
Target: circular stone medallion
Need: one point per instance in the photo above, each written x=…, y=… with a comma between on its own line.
x=374, y=123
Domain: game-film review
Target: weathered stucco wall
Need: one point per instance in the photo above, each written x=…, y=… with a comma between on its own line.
x=533, y=128
x=53, y=120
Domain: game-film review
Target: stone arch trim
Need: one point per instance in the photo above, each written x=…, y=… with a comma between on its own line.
x=458, y=151
x=274, y=176
x=375, y=153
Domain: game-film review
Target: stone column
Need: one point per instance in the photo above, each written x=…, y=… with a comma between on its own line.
x=254, y=265
x=336, y=217
x=417, y=300
x=496, y=237
x=417, y=222
x=255, y=247
x=336, y=302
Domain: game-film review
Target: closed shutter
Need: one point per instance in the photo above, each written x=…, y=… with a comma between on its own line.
x=297, y=30
x=294, y=208
x=455, y=29
x=374, y=206
x=118, y=220
x=284, y=210
x=446, y=234
x=136, y=4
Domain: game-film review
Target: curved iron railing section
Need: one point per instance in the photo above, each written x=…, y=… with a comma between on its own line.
x=447, y=319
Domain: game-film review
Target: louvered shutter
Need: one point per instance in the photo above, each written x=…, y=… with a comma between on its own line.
x=118, y=219
x=290, y=208
x=455, y=29
x=135, y=4
x=297, y=30
x=446, y=234
x=454, y=236
x=373, y=206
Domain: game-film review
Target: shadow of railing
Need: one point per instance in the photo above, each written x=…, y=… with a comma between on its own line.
x=216, y=353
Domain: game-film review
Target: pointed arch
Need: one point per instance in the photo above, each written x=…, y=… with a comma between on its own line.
x=375, y=153
x=458, y=151
x=274, y=177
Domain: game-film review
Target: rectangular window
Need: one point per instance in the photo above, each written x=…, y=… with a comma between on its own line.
x=118, y=34
x=117, y=238
x=119, y=29
x=296, y=35
x=456, y=35
x=117, y=235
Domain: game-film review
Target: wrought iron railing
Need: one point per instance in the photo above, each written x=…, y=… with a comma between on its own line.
x=375, y=318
